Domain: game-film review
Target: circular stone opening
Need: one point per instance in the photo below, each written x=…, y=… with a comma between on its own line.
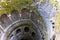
x=26, y=29
x=18, y=30
x=33, y=34
x=24, y=39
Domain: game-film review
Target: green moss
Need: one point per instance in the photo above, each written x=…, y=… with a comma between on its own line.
x=14, y=4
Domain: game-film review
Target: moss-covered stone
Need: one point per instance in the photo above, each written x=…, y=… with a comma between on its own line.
x=14, y=4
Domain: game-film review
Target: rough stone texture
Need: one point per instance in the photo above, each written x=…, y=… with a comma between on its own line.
x=14, y=28
x=5, y=21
